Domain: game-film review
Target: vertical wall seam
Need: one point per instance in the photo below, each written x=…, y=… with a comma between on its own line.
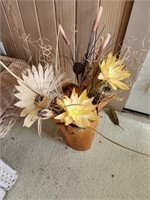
x=37, y=19
x=56, y=31
x=9, y=28
x=23, y=27
x=121, y=22
x=74, y=45
x=76, y=26
x=117, y=38
x=74, y=21
x=54, y=7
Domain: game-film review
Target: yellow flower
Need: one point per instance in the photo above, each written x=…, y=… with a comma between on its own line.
x=112, y=72
x=78, y=110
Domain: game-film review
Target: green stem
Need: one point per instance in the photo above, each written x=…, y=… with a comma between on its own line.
x=92, y=88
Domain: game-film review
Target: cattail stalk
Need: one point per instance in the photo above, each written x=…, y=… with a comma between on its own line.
x=92, y=35
x=97, y=20
x=60, y=30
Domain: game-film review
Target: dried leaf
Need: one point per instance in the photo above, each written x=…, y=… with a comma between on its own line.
x=113, y=116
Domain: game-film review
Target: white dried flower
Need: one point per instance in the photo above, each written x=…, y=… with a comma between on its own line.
x=36, y=91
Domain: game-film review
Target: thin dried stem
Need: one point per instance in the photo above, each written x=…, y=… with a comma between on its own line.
x=120, y=145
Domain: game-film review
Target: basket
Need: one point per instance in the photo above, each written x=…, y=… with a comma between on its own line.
x=8, y=112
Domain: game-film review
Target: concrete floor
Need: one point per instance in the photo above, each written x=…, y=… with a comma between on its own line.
x=49, y=170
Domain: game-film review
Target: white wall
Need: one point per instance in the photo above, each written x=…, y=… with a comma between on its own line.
x=139, y=99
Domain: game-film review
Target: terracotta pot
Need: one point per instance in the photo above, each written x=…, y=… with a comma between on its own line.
x=77, y=138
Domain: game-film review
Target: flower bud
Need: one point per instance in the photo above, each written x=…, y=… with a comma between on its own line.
x=45, y=114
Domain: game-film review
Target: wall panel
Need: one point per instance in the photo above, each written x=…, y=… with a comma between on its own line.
x=47, y=22
x=6, y=34
x=65, y=15
x=40, y=18
x=85, y=15
x=137, y=37
x=30, y=21
x=16, y=25
x=111, y=17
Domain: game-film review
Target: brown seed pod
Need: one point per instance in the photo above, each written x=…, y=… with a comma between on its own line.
x=68, y=87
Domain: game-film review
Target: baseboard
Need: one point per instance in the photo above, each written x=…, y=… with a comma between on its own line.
x=136, y=112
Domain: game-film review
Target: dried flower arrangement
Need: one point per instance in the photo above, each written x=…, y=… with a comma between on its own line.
x=43, y=93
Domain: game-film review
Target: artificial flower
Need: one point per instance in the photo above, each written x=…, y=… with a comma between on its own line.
x=45, y=114
x=112, y=72
x=79, y=110
x=36, y=91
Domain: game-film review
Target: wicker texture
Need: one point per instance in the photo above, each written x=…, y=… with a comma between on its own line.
x=8, y=112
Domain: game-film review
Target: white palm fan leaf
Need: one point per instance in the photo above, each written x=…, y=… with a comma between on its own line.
x=35, y=91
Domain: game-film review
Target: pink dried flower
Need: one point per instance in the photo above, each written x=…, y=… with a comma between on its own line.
x=63, y=34
x=97, y=20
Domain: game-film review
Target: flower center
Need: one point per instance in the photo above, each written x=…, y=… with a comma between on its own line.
x=41, y=101
x=73, y=111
